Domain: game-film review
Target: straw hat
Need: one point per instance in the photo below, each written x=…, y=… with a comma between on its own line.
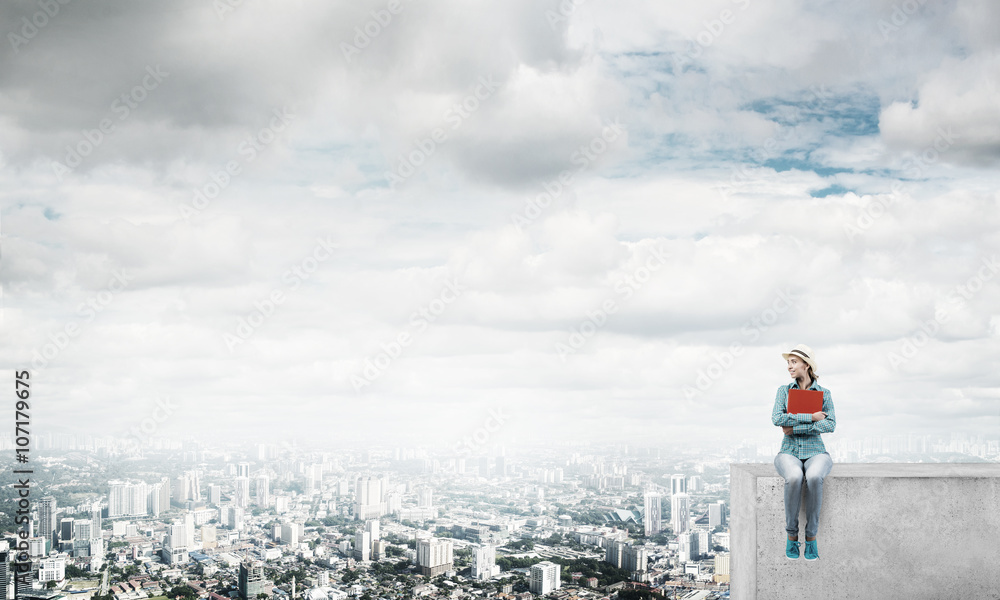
x=805, y=353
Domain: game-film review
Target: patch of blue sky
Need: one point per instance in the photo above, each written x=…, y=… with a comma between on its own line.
x=843, y=114
x=830, y=191
x=790, y=162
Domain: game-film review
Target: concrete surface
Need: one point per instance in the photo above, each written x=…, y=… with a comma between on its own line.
x=889, y=531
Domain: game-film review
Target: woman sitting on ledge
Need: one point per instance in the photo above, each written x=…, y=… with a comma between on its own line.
x=802, y=453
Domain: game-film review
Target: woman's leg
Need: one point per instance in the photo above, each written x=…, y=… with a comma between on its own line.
x=792, y=470
x=817, y=468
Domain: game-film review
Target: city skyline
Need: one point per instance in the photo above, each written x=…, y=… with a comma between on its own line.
x=531, y=222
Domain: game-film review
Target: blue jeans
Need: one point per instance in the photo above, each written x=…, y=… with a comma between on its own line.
x=814, y=469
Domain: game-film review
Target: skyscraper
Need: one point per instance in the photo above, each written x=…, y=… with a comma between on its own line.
x=678, y=484
x=128, y=499
x=435, y=556
x=4, y=575
x=215, y=494
x=368, y=498
x=251, y=579
x=679, y=512
x=635, y=558
x=47, y=517
x=687, y=546
x=263, y=497
x=242, y=491
x=95, y=519
x=545, y=578
x=717, y=514
x=484, y=565
x=613, y=552
x=652, y=522
x=363, y=546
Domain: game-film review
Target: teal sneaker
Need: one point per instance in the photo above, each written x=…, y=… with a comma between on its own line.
x=791, y=550
x=812, y=552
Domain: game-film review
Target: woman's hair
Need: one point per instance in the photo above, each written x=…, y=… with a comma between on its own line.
x=811, y=374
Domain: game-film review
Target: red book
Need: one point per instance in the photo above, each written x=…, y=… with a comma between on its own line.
x=804, y=401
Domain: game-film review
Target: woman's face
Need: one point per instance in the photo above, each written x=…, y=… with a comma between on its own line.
x=798, y=368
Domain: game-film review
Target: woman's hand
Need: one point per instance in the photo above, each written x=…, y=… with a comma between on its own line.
x=787, y=430
x=819, y=416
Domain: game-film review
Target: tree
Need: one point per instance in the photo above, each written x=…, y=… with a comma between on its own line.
x=51, y=584
x=349, y=576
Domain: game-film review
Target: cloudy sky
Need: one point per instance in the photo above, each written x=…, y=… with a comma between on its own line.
x=397, y=220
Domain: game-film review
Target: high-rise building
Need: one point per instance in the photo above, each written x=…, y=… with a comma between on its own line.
x=680, y=506
x=262, y=495
x=694, y=483
x=717, y=514
x=243, y=470
x=128, y=499
x=215, y=494
x=83, y=529
x=484, y=561
x=231, y=516
x=613, y=551
x=652, y=523
x=251, y=579
x=635, y=558
x=435, y=556
x=4, y=575
x=369, y=497
x=189, y=530
x=180, y=490
x=704, y=540
x=95, y=519
x=425, y=497
x=545, y=578
x=242, y=491
x=66, y=529
x=722, y=563
x=47, y=517
x=678, y=484
x=687, y=546
x=372, y=527
x=290, y=533
x=363, y=546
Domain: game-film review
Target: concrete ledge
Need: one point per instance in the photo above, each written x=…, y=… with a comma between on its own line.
x=886, y=530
